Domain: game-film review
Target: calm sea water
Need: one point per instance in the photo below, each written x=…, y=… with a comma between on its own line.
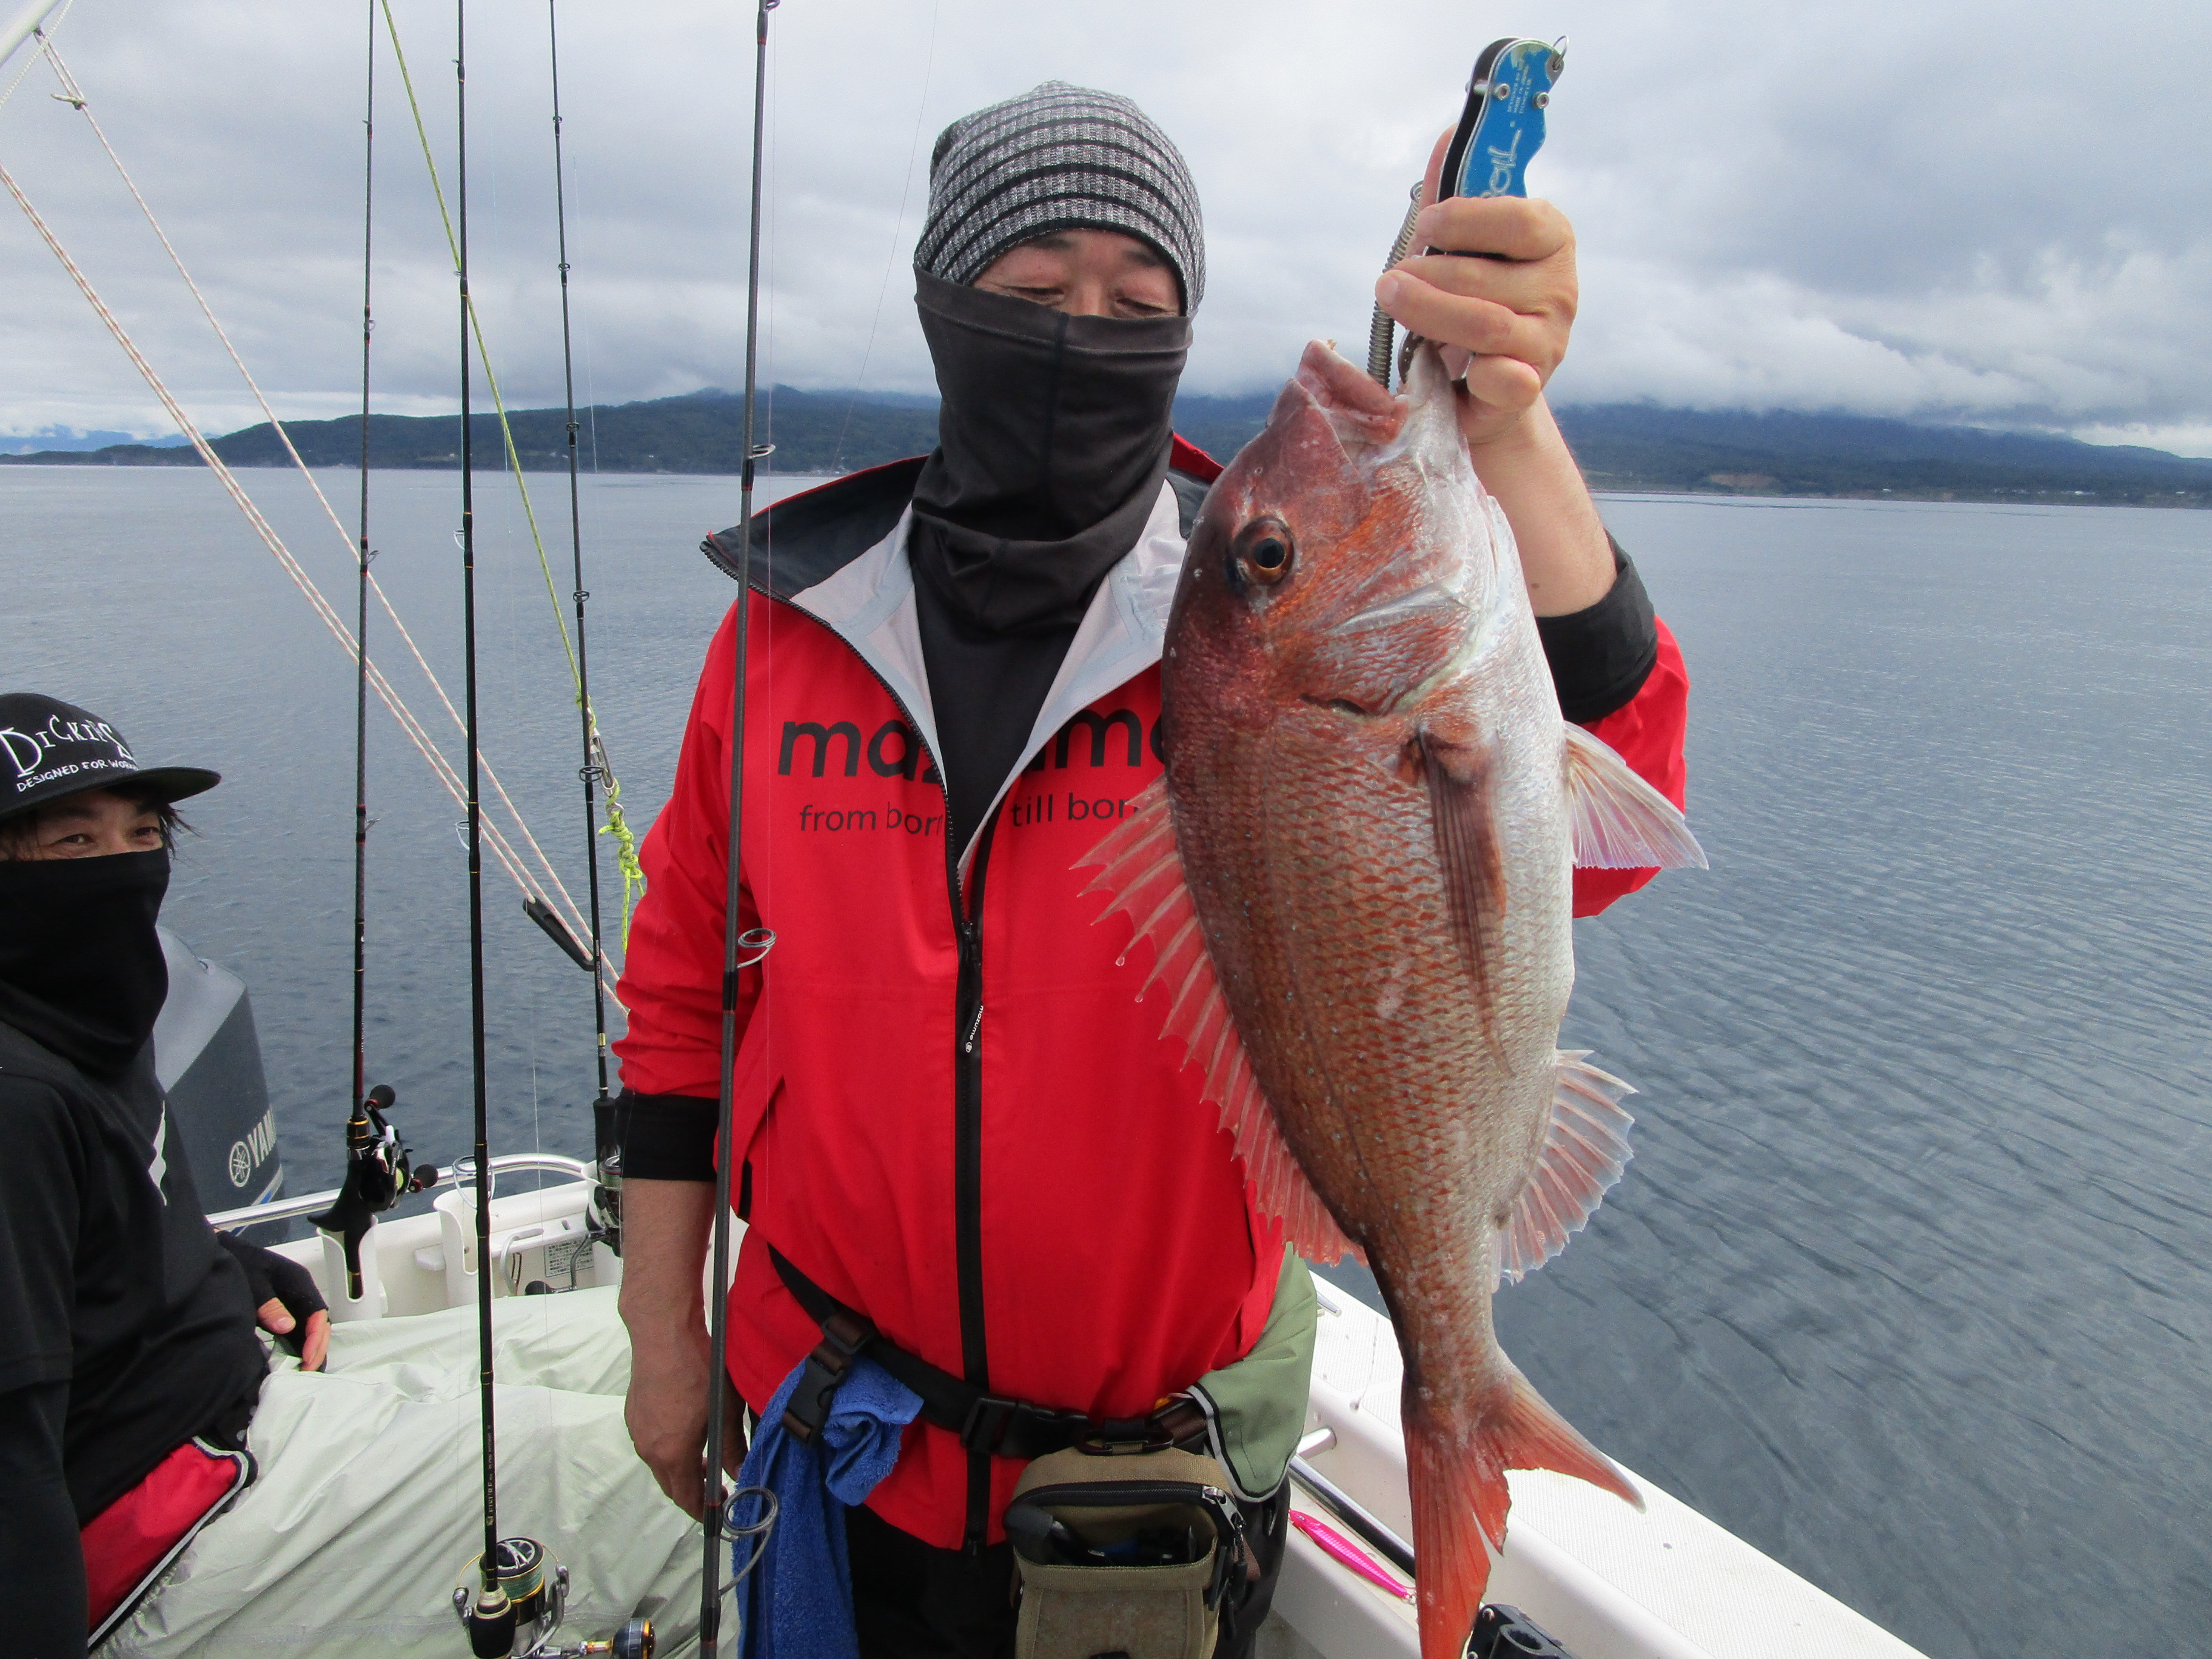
x=1911, y=1282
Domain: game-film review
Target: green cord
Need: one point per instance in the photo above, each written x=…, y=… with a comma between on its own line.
x=632, y=873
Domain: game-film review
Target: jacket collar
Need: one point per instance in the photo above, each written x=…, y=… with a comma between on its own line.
x=869, y=603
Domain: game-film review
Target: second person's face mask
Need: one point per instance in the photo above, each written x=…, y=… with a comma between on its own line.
x=80, y=966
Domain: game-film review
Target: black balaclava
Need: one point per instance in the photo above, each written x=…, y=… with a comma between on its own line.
x=80, y=966
x=1052, y=439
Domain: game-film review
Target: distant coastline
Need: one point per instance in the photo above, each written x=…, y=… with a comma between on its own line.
x=1622, y=447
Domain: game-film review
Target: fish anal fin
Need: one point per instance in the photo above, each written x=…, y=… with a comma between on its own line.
x=1279, y=1182
x=1620, y=821
x=1143, y=874
x=1456, y=1471
x=1585, y=1149
x=1457, y=776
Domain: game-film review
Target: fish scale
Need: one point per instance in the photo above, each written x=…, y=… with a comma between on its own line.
x=1356, y=876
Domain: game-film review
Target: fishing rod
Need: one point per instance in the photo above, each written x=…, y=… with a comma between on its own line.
x=490, y=1618
x=360, y=620
x=23, y=24
x=739, y=951
x=606, y=1193
x=520, y=1591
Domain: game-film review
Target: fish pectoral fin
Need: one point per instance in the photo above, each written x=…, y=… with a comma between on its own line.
x=1585, y=1151
x=1143, y=873
x=1457, y=777
x=1619, y=821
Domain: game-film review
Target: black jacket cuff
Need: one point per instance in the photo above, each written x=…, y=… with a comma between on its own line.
x=667, y=1137
x=1602, y=656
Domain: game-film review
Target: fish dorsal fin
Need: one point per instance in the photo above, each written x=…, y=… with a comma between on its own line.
x=1584, y=1153
x=1143, y=871
x=1621, y=822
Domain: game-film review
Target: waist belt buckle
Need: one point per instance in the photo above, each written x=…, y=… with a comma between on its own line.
x=1014, y=1428
x=1124, y=1436
x=1179, y=1423
x=808, y=1409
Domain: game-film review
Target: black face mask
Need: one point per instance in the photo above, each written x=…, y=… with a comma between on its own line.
x=81, y=967
x=1052, y=443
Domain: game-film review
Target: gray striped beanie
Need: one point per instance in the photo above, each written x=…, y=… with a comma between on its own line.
x=1058, y=158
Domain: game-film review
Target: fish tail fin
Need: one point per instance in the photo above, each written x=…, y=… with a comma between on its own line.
x=1460, y=1501
x=1461, y=1498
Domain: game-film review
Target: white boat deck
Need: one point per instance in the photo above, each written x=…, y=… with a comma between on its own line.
x=1605, y=1581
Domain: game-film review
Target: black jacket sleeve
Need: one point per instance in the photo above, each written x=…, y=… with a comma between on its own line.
x=1602, y=656
x=41, y=1173
x=667, y=1137
x=42, y=1561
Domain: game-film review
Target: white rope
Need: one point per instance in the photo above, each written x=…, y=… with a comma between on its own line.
x=75, y=95
x=413, y=727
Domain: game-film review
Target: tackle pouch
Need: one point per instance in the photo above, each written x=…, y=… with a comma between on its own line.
x=1255, y=1407
x=1127, y=1555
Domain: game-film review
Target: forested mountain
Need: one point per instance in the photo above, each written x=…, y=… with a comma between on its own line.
x=1622, y=446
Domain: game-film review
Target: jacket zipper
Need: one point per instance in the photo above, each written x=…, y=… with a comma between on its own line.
x=967, y=1109
x=968, y=1150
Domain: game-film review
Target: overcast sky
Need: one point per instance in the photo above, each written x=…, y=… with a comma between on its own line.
x=1995, y=213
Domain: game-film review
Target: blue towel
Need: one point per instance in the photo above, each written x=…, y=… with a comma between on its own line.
x=798, y=1601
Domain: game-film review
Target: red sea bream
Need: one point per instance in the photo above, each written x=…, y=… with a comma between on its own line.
x=1357, y=883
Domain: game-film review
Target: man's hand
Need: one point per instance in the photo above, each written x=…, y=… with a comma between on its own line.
x=667, y=1414
x=314, y=1343
x=1508, y=320
x=288, y=1302
x=1505, y=318
x=665, y=1226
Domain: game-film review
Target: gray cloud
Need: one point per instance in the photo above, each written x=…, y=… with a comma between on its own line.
x=1981, y=211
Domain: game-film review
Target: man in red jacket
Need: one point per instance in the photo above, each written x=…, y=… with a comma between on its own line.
x=952, y=1117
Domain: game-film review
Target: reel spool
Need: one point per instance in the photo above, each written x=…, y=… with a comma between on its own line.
x=522, y=1618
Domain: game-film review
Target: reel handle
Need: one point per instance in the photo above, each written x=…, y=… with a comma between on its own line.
x=634, y=1640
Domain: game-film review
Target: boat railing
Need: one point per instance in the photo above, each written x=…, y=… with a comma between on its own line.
x=313, y=1203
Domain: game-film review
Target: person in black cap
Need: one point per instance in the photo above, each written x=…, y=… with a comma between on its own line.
x=138, y=1404
x=130, y=1366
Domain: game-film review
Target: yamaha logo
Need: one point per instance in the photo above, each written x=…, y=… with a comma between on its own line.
x=246, y=1154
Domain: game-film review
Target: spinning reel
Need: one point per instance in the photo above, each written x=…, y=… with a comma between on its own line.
x=521, y=1618
x=377, y=1176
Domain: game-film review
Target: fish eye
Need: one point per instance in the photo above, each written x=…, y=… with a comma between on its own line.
x=1263, y=550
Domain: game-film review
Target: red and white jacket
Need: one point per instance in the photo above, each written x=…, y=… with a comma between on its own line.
x=955, y=1116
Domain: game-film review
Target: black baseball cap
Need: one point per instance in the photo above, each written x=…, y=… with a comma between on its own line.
x=50, y=749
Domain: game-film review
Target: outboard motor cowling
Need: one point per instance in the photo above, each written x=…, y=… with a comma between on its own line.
x=207, y=1055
